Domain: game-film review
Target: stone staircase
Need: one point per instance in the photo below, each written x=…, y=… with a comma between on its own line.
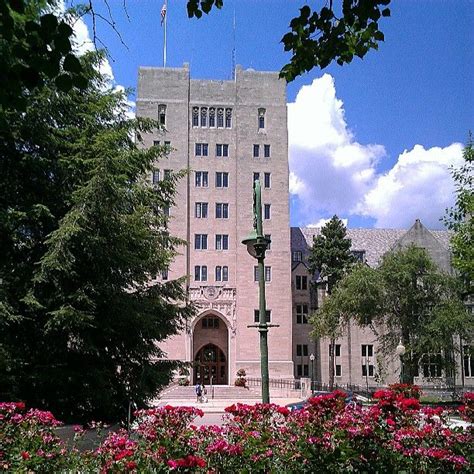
x=217, y=392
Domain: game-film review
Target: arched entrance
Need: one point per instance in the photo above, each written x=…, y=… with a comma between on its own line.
x=210, y=362
x=210, y=343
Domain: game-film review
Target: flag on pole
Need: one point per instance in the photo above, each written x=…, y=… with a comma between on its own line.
x=163, y=13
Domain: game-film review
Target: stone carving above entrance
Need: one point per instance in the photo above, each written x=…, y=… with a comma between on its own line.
x=217, y=298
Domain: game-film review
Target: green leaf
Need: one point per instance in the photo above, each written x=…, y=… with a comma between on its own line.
x=72, y=64
x=386, y=12
x=49, y=22
x=64, y=82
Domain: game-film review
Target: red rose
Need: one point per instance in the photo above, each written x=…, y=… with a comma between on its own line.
x=25, y=455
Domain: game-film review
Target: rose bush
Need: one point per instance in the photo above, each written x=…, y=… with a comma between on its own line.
x=394, y=434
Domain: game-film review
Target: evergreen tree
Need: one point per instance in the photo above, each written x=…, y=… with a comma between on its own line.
x=83, y=238
x=330, y=258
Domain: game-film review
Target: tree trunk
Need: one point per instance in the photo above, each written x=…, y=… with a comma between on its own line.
x=331, y=364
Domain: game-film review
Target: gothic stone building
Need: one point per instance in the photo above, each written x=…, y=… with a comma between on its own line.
x=227, y=134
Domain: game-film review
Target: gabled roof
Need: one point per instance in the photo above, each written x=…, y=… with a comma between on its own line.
x=375, y=242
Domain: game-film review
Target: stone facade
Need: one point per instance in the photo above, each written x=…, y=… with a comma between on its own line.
x=224, y=132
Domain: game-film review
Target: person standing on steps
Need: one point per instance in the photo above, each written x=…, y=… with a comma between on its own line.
x=198, y=390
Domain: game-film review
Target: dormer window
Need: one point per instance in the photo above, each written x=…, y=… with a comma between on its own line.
x=359, y=255
x=162, y=114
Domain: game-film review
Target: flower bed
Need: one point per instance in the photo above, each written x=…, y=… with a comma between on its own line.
x=395, y=434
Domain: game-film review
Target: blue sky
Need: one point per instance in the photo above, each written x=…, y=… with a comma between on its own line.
x=386, y=128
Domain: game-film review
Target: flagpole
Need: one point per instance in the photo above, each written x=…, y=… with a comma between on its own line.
x=164, y=31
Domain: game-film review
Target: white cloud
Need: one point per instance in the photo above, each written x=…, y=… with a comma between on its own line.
x=331, y=173
x=323, y=222
x=418, y=186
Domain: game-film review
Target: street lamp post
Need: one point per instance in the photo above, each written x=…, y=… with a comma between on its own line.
x=367, y=363
x=400, y=351
x=311, y=358
x=257, y=244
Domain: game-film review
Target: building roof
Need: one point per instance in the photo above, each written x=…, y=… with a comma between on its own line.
x=375, y=242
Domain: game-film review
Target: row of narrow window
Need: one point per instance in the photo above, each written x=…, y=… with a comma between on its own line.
x=222, y=150
x=221, y=273
x=221, y=242
x=201, y=179
x=201, y=210
x=212, y=117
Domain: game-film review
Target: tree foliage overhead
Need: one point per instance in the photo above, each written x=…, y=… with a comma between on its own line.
x=407, y=299
x=35, y=46
x=460, y=217
x=83, y=236
x=317, y=38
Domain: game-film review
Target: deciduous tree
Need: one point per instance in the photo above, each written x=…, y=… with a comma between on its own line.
x=407, y=299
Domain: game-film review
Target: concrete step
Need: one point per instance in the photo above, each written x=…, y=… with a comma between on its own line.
x=217, y=392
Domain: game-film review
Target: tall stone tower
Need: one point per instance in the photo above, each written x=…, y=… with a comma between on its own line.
x=226, y=133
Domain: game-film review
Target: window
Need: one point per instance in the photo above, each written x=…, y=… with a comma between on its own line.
x=269, y=243
x=167, y=143
x=268, y=273
x=261, y=119
x=212, y=117
x=256, y=177
x=267, y=180
x=302, y=350
x=256, y=315
x=166, y=211
x=222, y=242
x=338, y=370
x=222, y=179
x=210, y=323
x=359, y=255
x=302, y=370
x=166, y=174
x=337, y=350
x=156, y=176
x=228, y=118
x=156, y=142
x=220, y=118
x=468, y=359
x=367, y=370
x=201, y=149
x=301, y=314
x=432, y=366
x=200, y=273
x=200, y=241
x=200, y=210
x=201, y=180
x=301, y=282
x=203, y=116
x=162, y=114
x=256, y=151
x=222, y=149
x=222, y=273
x=367, y=350
x=297, y=256
x=266, y=151
x=266, y=211
x=195, y=117
x=222, y=210
x=164, y=274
